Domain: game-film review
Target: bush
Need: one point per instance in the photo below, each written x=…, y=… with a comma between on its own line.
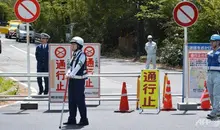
x=6, y=84
x=172, y=53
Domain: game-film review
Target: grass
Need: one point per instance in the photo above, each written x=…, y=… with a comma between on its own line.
x=7, y=84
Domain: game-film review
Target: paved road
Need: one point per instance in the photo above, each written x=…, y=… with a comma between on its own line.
x=13, y=59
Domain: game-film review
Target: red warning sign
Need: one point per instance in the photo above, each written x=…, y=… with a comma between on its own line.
x=60, y=52
x=89, y=51
x=185, y=14
x=89, y=83
x=27, y=10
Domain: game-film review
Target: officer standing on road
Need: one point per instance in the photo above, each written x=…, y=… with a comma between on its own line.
x=77, y=76
x=151, y=48
x=213, y=76
x=42, y=57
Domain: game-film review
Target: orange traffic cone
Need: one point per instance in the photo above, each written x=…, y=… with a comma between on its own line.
x=124, y=106
x=167, y=103
x=205, y=100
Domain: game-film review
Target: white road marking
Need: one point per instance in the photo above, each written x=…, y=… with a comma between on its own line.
x=22, y=50
x=33, y=90
x=9, y=104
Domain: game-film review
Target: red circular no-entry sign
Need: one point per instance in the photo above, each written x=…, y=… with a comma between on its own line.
x=185, y=14
x=27, y=10
x=89, y=51
x=60, y=52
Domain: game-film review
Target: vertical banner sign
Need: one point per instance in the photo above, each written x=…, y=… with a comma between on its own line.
x=92, y=51
x=149, y=89
x=197, y=68
x=59, y=59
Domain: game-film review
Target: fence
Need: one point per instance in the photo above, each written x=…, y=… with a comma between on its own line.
x=46, y=98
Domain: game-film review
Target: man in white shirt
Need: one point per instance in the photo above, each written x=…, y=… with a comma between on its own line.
x=151, y=49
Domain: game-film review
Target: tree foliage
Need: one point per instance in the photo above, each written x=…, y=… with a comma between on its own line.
x=114, y=24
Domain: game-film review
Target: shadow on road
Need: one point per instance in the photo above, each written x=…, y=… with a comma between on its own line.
x=184, y=114
x=71, y=127
x=55, y=111
x=16, y=113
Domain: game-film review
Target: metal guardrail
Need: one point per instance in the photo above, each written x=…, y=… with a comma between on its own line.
x=47, y=75
x=173, y=73
x=104, y=74
x=46, y=97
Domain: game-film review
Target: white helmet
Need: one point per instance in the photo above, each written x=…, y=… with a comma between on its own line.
x=149, y=37
x=77, y=40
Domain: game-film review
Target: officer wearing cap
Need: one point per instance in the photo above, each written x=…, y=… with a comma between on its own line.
x=77, y=76
x=42, y=58
x=213, y=76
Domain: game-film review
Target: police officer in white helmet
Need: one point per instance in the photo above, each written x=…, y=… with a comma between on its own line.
x=77, y=76
x=151, y=49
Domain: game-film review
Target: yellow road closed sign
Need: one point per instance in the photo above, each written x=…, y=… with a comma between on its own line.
x=149, y=89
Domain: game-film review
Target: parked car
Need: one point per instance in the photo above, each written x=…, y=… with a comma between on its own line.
x=21, y=33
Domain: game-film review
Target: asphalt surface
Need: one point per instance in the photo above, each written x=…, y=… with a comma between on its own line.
x=13, y=59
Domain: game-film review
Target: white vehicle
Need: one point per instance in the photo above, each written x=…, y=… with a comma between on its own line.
x=21, y=33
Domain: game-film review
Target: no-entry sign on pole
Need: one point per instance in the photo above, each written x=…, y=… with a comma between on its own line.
x=185, y=14
x=27, y=10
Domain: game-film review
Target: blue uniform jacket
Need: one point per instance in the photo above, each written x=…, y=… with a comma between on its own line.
x=42, y=57
x=214, y=60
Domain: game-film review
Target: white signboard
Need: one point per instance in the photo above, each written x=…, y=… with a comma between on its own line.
x=59, y=58
x=197, y=68
x=60, y=55
x=92, y=51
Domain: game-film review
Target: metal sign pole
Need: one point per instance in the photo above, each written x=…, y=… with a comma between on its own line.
x=186, y=67
x=186, y=64
x=28, y=59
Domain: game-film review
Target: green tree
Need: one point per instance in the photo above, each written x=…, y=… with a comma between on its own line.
x=208, y=22
x=6, y=12
x=108, y=21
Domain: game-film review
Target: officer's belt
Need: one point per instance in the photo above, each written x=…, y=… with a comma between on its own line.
x=80, y=77
x=214, y=68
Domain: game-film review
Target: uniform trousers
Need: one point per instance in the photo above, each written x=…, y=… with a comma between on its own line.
x=213, y=86
x=76, y=99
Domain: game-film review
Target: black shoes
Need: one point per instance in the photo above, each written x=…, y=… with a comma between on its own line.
x=70, y=123
x=81, y=123
x=40, y=93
